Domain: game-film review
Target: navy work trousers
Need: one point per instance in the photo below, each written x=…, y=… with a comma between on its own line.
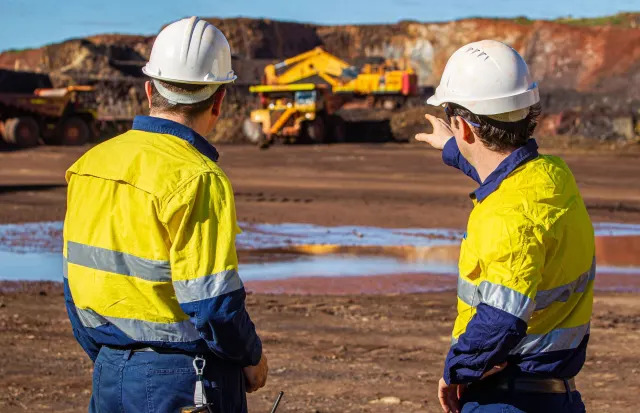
x=146, y=381
x=484, y=400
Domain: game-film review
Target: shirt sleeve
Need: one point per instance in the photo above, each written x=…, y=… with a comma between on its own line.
x=512, y=266
x=201, y=220
x=451, y=156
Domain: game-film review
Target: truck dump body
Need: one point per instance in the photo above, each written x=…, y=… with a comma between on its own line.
x=22, y=82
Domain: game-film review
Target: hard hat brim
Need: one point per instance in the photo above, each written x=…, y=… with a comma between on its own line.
x=434, y=100
x=147, y=72
x=493, y=106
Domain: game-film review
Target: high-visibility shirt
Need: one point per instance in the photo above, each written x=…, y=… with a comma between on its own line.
x=149, y=247
x=526, y=271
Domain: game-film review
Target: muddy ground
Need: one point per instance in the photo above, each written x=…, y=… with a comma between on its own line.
x=328, y=353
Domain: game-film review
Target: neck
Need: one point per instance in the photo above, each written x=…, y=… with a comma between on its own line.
x=196, y=124
x=488, y=161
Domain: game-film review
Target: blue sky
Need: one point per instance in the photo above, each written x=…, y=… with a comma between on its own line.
x=33, y=23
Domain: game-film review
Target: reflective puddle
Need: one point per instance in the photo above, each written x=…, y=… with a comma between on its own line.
x=306, y=259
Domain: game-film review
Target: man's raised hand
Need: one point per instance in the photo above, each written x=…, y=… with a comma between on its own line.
x=441, y=132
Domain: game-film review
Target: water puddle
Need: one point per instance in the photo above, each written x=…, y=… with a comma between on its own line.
x=304, y=258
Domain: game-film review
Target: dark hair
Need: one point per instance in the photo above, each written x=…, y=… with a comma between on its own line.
x=161, y=104
x=501, y=136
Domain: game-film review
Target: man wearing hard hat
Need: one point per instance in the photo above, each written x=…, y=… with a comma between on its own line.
x=151, y=273
x=526, y=270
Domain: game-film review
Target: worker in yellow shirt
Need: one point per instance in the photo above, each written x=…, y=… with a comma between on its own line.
x=151, y=273
x=527, y=267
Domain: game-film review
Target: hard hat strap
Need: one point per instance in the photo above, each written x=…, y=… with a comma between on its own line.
x=186, y=98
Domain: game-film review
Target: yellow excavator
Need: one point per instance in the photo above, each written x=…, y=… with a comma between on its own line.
x=300, y=96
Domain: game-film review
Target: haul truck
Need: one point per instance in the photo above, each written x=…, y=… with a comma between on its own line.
x=301, y=96
x=63, y=116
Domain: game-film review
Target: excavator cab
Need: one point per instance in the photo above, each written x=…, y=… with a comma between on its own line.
x=305, y=97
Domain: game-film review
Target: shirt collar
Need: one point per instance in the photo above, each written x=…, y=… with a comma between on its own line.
x=516, y=158
x=159, y=125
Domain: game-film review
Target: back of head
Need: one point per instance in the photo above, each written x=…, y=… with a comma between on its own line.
x=190, y=61
x=489, y=84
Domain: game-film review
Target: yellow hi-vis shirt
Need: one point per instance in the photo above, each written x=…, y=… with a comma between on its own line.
x=526, y=271
x=149, y=246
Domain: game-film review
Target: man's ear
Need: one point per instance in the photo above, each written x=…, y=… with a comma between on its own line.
x=216, y=109
x=467, y=133
x=147, y=90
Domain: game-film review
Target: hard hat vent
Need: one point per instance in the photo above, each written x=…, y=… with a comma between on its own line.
x=480, y=53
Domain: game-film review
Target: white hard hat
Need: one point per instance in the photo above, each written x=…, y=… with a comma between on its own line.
x=488, y=78
x=191, y=51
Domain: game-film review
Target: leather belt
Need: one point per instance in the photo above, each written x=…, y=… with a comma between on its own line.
x=159, y=350
x=535, y=385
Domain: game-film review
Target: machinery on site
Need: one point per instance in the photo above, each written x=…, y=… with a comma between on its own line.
x=62, y=116
x=301, y=98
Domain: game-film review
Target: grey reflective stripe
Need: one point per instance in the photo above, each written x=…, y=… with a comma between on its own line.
x=209, y=286
x=118, y=262
x=65, y=268
x=558, y=339
x=454, y=341
x=139, y=330
x=467, y=292
x=90, y=318
x=497, y=296
x=544, y=298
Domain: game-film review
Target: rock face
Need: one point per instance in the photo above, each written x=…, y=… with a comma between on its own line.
x=584, y=68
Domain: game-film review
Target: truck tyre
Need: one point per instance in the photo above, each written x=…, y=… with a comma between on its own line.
x=72, y=131
x=23, y=131
x=315, y=130
x=338, y=129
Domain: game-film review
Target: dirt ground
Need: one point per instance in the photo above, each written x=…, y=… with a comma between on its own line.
x=359, y=353
x=391, y=185
x=327, y=353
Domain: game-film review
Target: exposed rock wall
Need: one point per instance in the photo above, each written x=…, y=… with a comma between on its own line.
x=584, y=72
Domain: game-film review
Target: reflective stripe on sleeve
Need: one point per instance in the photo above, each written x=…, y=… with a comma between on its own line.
x=558, y=339
x=545, y=298
x=118, y=262
x=209, y=286
x=497, y=296
x=139, y=330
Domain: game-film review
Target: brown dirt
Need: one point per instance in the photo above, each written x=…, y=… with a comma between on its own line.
x=327, y=353
x=392, y=185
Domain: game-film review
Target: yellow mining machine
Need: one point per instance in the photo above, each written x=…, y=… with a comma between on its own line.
x=300, y=96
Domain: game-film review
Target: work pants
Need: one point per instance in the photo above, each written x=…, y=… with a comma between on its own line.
x=484, y=400
x=147, y=381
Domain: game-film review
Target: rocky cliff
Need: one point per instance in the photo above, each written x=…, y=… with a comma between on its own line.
x=588, y=70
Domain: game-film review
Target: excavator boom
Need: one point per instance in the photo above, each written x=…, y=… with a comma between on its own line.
x=316, y=62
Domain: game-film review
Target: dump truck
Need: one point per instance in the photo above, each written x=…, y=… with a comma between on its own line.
x=301, y=98
x=61, y=116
